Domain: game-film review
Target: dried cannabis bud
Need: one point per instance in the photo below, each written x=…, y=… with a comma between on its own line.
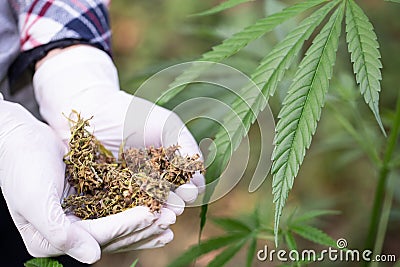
x=105, y=185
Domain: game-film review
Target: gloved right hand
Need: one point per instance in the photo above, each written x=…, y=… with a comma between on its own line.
x=85, y=79
x=32, y=181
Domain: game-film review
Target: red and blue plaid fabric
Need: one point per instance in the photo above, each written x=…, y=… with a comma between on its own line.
x=47, y=24
x=41, y=22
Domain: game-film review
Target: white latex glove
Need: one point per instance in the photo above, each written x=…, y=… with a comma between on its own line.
x=85, y=79
x=32, y=181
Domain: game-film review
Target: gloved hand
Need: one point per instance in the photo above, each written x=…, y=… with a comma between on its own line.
x=32, y=181
x=85, y=79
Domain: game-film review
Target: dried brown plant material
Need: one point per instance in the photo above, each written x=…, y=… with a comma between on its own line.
x=163, y=163
x=105, y=186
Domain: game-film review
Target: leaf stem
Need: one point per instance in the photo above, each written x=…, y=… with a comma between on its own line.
x=387, y=206
x=380, y=191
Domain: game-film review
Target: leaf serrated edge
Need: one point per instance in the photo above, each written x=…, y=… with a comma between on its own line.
x=313, y=234
x=42, y=262
x=281, y=158
x=360, y=35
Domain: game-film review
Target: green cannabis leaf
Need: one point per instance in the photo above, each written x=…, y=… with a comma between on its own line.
x=247, y=230
x=302, y=109
x=42, y=262
x=314, y=235
x=221, y=7
x=290, y=241
x=251, y=252
x=251, y=102
x=235, y=43
x=363, y=47
x=311, y=215
x=226, y=255
x=267, y=75
x=204, y=247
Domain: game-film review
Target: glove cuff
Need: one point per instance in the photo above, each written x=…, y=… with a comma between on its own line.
x=73, y=71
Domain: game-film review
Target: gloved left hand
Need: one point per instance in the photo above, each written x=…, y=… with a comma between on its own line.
x=84, y=78
x=32, y=180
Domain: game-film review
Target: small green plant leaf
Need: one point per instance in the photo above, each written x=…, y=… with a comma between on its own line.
x=231, y=225
x=42, y=262
x=134, y=263
x=290, y=241
x=204, y=247
x=394, y=1
x=313, y=214
x=291, y=245
x=226, y=255
x=357, y=136
x=251, y=252
x=221, y=7
x=203, y=217
x=314, y=235
x=363, y=47
x=234, y=44
x=302, y=109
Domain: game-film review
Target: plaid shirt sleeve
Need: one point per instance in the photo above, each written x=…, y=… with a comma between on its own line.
x=43, y=21
x=47, y=24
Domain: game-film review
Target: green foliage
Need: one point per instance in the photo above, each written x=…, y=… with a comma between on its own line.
x=251, y=252
x=302, y=109
x=238, y=234
x=235, y=43
x=311, y=215
x=313, y=234
x=135, y=263
x=290, y=241
x=266, y=76
x=221, y=7
x=227, y=254
x=42, y=262
x=298, y=117
x=384, y=171
x=204, y=247
x=363, y=47
x=231, y=225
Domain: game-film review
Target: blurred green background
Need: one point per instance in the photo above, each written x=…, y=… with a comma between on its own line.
x=337, y=174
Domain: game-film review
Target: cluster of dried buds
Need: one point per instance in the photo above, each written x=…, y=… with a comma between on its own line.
x=105, y=185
